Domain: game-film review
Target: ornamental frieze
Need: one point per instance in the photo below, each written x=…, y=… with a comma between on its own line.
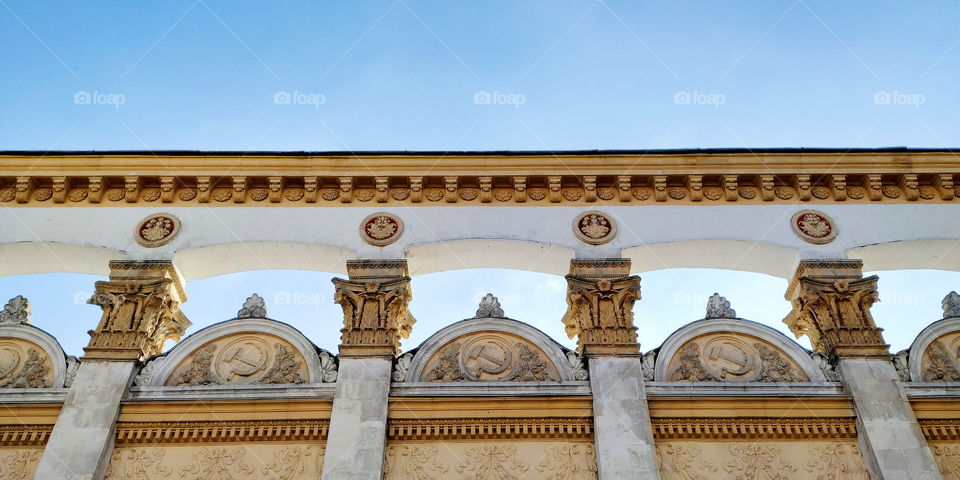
x=732, y=358
x=242, y=359
x=685, y=188
x=486, y=460
x=767, y=460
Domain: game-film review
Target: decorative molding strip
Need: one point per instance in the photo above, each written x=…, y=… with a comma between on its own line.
x=753, y=428
x=948, y=430
x=490, y=428
x=611, y=189
x=214, y=431
x=24, y=435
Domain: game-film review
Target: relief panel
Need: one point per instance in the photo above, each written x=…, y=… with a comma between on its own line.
x=526, y=460
x=732, y=358
x=761, y=460
x=489, y=356
x=24, y=364
x=218, y=462
x=19, y=463
x=947, y=456
x=242, y=359
x=941, y=361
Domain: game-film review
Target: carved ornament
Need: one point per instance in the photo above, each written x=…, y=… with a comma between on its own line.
x=732, y=358
x=381, y=229
x=374, y=301
x=813, y=226
x=16, y=311
x=157, y=230
x=600, y=298
x=242, y=359
x=831, y=305
x=594, y=228
x=486, y=357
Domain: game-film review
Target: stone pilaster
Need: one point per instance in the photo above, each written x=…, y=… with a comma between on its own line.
x=831, y=304
x=375, y=318
x=141, y=311
x=600, y=298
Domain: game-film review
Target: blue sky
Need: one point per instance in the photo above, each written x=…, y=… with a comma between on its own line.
x=478, y=75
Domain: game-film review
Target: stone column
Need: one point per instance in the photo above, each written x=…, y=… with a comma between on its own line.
x=375, y=318
x=831, y=305
x=141, y=311
x=600, y=298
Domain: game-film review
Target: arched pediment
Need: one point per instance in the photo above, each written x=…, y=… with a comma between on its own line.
x=29, y=356
x=490, y=349
x=733, y=350
x=935, y=353
x=241, y=351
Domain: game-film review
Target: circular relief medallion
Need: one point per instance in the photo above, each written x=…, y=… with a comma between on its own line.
x=730, y=358
x=488, y=357
x=813, y=226
x=381, y=229
x=595, y=228
x=156, y=230
x=242, y=360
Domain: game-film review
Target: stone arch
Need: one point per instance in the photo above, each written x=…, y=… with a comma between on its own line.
x=719, y=253
x=946, y=332
x=933, y=254
x=23, y=258
x=262, y=338
x=742, y=337
x=501, y=335
x=488, y=253
x=210, y=261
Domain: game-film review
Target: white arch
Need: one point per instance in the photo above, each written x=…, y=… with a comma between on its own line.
x=941, y=254
x=758, y=257
x=920, y=344
x=488, y=253
x=53, y=257
x=44, y=340
x=203, y=262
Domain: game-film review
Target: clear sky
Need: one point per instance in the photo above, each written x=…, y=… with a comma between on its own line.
x=544, y=75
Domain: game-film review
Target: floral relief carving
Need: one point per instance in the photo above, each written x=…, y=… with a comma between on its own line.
x=215, y=463
x=569, y=461
x=448, y=366
x=200, y=371
x=487, y=357
x=758, y=461
x=138, y=464
x=413, y=462
x=683, y=462
x=295, y=462
x=733, y=359
x=947, y=457
x=31, y=372
x=19, y=464
x=187, y=194
x=242, y=360
x=492, y=462
x=294, y=194
x=77, y=195
x=836, y=461
x=942, y=364
x=285, y=370
x=7, y=194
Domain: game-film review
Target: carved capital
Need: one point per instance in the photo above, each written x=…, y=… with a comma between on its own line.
x=141, y=311
x=600, y=298
x=374, y=301
x=831, y=305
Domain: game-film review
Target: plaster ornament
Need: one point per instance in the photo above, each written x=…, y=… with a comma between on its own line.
x=943, y=364
x=254, y=307
x=594, y=228
x=402, y=367
x=648, y=365
x=901, y=362
x=156, y=230
x=719, y=307
x=580, y=371
x=813, y=226
x=489, y=307
x=951, y=305
x=73, y=366
x=823, y=363
x=381, y=229
x=490, y=358
x=328, y=367
x=733, y=359
x=16, y=311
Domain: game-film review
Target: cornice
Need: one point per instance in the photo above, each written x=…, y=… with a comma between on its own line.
x=24, y=435
x=221, y=431
x=490, y=428
x=745, y=428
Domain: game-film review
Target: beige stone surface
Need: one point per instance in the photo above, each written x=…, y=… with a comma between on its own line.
x=294, y=461
x=19, y=463
x=527, y=460
x=733, y=357
x=242, y=359
x=700, y=460
x=489, y=356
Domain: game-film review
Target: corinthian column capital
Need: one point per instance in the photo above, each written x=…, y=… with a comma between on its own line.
x=600, y=298
x=141, y=311
x=831, y=304
x=374, y=301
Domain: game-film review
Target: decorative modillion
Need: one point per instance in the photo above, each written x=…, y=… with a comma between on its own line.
x=814, y=227
x=157, y=230
x=594, y=228
x=381, y=229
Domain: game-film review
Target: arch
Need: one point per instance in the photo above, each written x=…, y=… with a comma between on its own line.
x=488, y=253
x=157, y=371
x=44, y=340
x=435, y=342
x=23, y=258
x=757, y=257
x=695, y=329
x=927, y=336
x=939, y=254
x=210, y=261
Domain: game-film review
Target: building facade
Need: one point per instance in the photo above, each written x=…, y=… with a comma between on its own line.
x=488, y=397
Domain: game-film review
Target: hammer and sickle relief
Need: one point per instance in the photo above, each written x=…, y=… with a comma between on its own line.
x=487, y=357
x=242, y=359
x=10, y=359
x=729, y=357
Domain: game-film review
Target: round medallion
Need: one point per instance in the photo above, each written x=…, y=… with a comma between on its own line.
x=381, y=229
x=488, y=357
x=156, y=230
x=242, y=359
x=730, y=358
x=595, y=228
x=813, y=226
